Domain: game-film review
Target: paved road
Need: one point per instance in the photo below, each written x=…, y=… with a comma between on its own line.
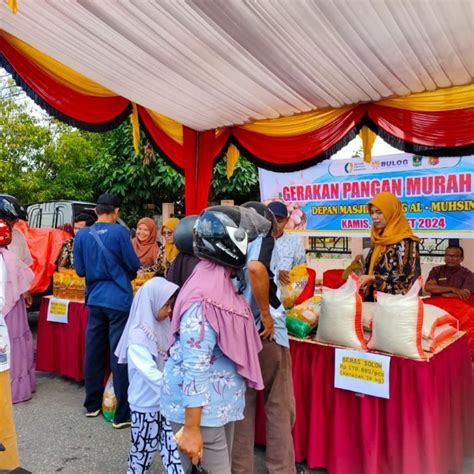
x=55, y=436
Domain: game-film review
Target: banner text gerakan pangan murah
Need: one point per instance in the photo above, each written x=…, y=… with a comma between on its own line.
x=437, y=194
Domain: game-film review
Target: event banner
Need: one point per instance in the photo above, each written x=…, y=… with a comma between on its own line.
x=330, y=199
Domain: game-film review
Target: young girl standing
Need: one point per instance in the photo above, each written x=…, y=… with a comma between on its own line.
x=142, y=346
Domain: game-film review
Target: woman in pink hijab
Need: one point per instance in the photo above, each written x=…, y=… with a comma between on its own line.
x=214, y=346
x=18, y=282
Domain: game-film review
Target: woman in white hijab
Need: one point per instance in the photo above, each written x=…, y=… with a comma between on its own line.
x=143, y=346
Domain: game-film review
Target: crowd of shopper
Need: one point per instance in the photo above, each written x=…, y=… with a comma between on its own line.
x=188, y=385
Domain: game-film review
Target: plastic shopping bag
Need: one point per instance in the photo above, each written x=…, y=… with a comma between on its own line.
x=301, y=287
x=109, y=401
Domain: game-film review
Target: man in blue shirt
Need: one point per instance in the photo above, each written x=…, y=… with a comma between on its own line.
x=275, y=363
x=103, y=253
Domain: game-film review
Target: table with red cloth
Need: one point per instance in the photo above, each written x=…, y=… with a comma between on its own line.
x=425, y=427
x=61, y=347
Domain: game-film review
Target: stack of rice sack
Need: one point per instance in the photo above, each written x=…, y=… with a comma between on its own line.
x=302, y=307
x=397, y=324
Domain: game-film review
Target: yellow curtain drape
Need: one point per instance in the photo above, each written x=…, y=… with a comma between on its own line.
x=13, y=5
x=135, y=128
x=172, y=128
x=232, y=155
x=63, y=74
x=296, y=124
x=368, y=138
x=451, y=98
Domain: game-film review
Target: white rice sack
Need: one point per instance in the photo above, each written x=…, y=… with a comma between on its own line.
x=438, y=335
x=340, y=321
x=435, y=317
x=397, y=324
x=368, y=313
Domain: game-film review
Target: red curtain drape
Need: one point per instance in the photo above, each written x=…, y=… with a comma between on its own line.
x=81, y=110
x=170, y=149
x=298, y=151
x=425, y=426
x=200, y=150
x=446, y=129
x=441, y=133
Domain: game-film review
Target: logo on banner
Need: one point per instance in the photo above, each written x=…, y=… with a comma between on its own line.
x=433, y=160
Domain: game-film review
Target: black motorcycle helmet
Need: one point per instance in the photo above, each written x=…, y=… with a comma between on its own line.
x=219, y=237
x=263, y=211
x=183, y=234
x=8, y=210
x=19, y=209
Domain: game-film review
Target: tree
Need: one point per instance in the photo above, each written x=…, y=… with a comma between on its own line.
x=241, y=187
x=40, y=158
x=139, y=179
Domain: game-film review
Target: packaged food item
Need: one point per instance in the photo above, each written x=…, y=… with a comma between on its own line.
x=303, y=318
x=109, y=401
x=308, y=311
x=301, y=287
x=141, y=279
x=69, y=285
x=297, y=327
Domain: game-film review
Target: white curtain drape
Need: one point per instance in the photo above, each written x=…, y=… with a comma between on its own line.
x=216, y=63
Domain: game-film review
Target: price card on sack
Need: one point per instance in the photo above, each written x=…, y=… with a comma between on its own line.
x=58, y=310
x=362, y=372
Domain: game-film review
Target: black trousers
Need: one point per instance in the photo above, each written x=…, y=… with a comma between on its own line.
x=104, y=329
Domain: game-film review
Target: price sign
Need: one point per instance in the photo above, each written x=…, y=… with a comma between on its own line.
x=58, y=310
x=362, y=372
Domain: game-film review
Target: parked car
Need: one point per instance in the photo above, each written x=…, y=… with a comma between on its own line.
x=57, y=213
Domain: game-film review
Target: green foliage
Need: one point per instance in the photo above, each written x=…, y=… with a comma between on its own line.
x=241, y=187
x=116, y=169
x=42, y=159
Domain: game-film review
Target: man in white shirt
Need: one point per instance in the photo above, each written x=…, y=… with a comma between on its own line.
x=289, y=248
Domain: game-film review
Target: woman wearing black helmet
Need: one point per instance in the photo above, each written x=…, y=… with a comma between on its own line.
x=214, y=349
x=20, y=277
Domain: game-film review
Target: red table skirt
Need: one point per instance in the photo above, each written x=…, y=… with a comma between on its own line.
x=61, y=347
x=425, y=427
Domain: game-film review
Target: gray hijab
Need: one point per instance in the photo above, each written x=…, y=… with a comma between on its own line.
x=142, y=328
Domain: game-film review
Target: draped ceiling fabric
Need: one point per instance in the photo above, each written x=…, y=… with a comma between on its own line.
x=288, y=84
